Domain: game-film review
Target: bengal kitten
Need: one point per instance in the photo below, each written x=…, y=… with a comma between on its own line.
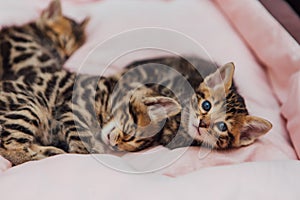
x=29, y=55
x=211, y=111
x=45, y=43
x=57, y=113
x=62, y=111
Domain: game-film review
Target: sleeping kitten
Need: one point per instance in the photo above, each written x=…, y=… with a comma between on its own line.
x=31, y=57
x=44, y=114
x=211, y=111
x=62, y=111
x=45, y=43
x=58, y=113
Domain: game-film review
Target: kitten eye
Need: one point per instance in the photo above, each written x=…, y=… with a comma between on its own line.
x=206, y=105
x=222, y=126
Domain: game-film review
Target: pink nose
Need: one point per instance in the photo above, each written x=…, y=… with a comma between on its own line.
x=203, y=124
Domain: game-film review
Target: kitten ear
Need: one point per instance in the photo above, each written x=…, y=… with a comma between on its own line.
x=253, y=128
x=223, y=75
x=160, y=108
x=52, y=11
x=85, y=22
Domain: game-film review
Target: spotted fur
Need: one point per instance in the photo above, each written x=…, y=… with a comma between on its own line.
x=45, y=43
x=152, y=117
x=57, y=113
x=35, y=92
x=61, y=112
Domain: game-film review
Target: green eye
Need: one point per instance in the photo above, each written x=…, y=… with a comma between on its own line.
x=206, y=105
x=222, y=126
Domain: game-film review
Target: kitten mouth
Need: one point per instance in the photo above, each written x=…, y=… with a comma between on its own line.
x=198, y=130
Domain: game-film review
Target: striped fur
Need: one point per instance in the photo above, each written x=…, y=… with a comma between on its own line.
x=45, y=110
x=226, y=125
x=45, y=43
x=31, y=57
x=59, y=114
x=62, y=112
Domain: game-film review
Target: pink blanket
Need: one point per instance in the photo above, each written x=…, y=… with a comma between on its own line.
x=80, y=177
x=235, y=39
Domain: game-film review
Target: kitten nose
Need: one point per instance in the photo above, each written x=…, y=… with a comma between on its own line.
x=115, y=147
x=202, y=124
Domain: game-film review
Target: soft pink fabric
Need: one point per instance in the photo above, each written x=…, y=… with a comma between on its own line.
x=291, y=111
x=286, y=16
x=268, y=40
x=277, y=50
x=78, y=176
x=4, y=164
x=223, y=44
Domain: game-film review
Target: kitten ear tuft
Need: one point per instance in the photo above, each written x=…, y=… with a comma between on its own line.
x=160, y=108
x=253, y=128
x=227, y=72
x=53, y=11
x=224, y=75
x=85, y=22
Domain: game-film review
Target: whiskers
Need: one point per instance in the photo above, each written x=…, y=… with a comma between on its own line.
x=208, y=141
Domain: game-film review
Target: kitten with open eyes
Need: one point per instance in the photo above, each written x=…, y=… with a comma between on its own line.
x=211, y=111
x=61, y=112
x=44, y=44
x=42, y=114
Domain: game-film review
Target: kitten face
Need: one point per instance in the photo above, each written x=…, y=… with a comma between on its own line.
x=136, y=127
x=67, y=34
x=219, y=118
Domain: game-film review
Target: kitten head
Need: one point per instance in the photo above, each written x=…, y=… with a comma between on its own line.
x=220, y=118
x=135, y=124
x=64, y=32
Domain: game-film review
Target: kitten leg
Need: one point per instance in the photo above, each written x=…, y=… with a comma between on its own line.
x=22, y=154
x=98, y=147
x=19, y=148
x=77, y=133
x=15, y=148
x=83, y=141
x=19, y=132
x=45, y=151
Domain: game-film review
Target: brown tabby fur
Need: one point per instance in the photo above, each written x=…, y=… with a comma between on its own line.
x=31, y=58
x=52, y=111
x=62, y=112
x=186, y=124
x=52, y=116
x=45, y=43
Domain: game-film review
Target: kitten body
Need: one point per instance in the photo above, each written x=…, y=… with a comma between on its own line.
x=211, y=112
x=45, y=43
x=45, y=110
x=61, y=112
x=58, y=112
x=31, y=58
